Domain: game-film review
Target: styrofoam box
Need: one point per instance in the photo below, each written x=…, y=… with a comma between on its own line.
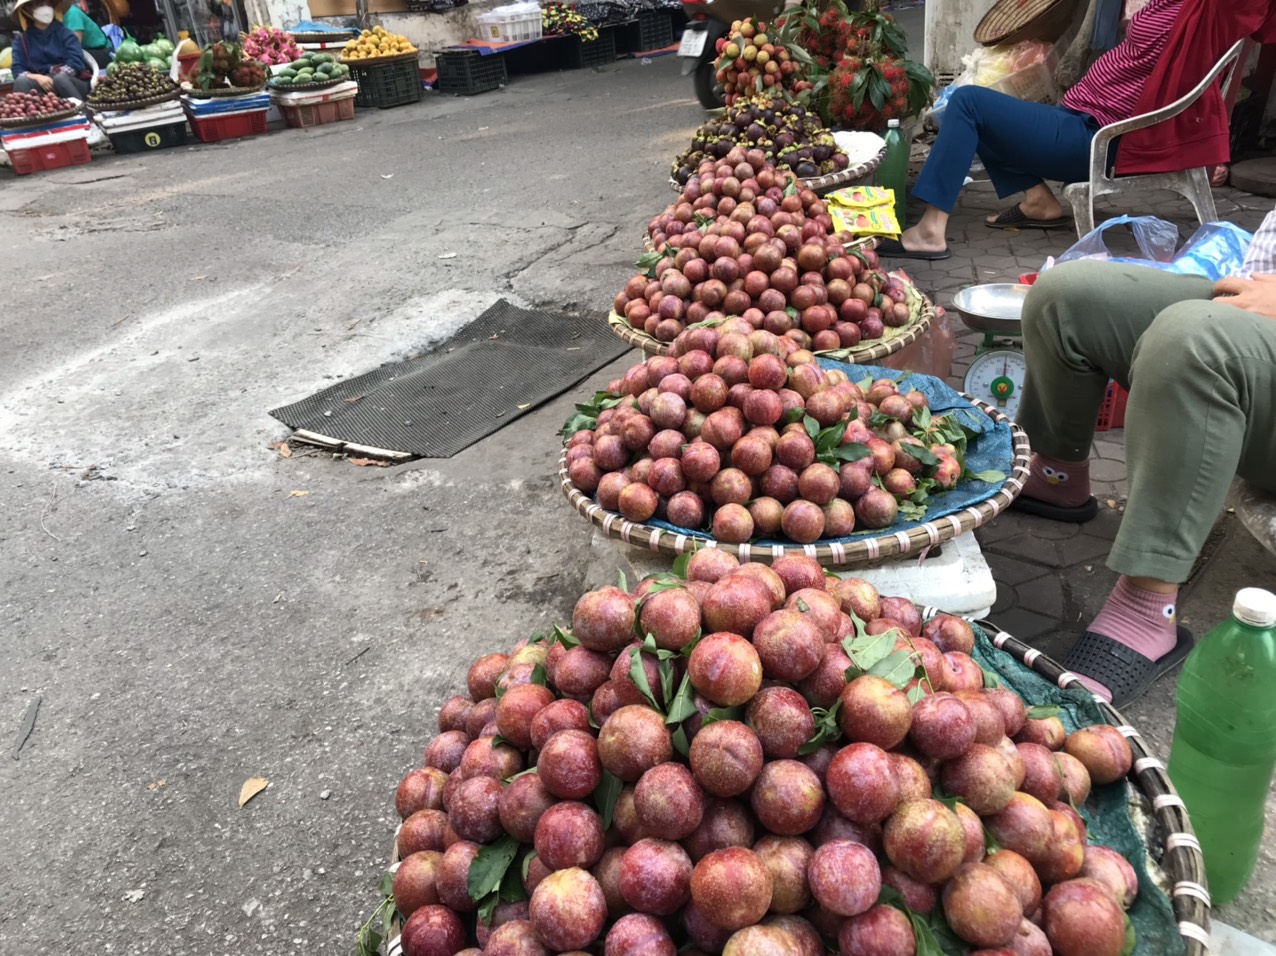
x=511, y=28
x=338, y=92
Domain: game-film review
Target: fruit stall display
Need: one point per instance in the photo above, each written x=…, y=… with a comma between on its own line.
x=30, y=109
x=764, y=761
x=157, y=55
x=744, y=240
x=226, y=70
x=749, y=63
x=759, y=455
x=311, y=70
x=131, y=86
x=271, y=46
x=377, y=44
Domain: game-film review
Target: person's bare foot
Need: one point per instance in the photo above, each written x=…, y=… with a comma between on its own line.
x=916, y=239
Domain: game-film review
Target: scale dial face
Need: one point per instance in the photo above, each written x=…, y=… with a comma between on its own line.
x=996, y=377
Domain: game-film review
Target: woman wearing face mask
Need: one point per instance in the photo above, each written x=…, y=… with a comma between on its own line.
x=47, y=57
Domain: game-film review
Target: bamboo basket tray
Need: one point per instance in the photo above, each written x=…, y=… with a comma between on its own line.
x=892, y=340
x=376, y=60
x=42, y=120
x=823, y=184
x=124, y=106
x=831, y=554
x=215, y=92
x=1182, y=861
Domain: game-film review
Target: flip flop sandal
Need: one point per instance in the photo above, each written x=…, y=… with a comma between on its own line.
x=1076, y=514
x=1122, y=670
x=1014, y=218
x=894, y=249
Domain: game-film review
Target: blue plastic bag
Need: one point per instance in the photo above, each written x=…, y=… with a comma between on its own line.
x=1215, y=250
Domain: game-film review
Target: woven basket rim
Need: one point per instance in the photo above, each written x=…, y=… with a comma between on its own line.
x=223, y=91
x=41, y=120
x=270, y=85
x=862, y=354
x=124, y=106
x=833, y=554
x=823, y=184
x=1007, y=19
x=1182, y=861
x=377, y=60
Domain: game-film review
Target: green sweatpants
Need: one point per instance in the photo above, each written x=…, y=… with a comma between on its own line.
x=1202, y=407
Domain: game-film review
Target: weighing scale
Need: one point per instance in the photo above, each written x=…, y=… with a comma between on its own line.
x=997, y=373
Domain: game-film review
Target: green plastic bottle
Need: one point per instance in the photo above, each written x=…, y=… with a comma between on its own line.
x=1224, y=747
x=893, y=173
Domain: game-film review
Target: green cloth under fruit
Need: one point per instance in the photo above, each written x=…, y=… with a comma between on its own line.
x=1107, y=812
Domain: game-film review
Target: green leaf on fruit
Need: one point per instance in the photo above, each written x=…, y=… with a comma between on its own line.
x=703, y=219
x=991, y=844
x=722, y=713
x=680, y=564
x=512, y=888
x=911, y=510
x=851, y=451
x=921, y=418
x=827, y=729
x=683, y=705
x=867, y=381
x=1043, y=711
x=1131, y=938
x=930, y=940
x=539, y=676
x=665, y=669
x=868, y=650
x=638, y=674
x=812, y=426
x=680, y=742
x=791, y=312
x=522, y=773
x=605, y=796
x=922, y=454
x=991, y=680
x=898, y=667
x=992, y=476
x=793, y=415
x=489, y=866
x=916, y=694
x=564, y=637
x=792, y=188
x=622, y=581
x=527, y=864
x=649, y=260
x=803, y=606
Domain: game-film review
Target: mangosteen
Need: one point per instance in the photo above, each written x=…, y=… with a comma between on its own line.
x=821, y=153
x=783, y=140
x=807, y=170
x=722, y=147
x=755, y=132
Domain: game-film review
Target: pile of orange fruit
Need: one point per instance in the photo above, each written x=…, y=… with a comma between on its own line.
x=375, y=43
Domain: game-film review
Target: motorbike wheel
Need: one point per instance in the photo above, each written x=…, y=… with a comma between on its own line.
x=708, y=92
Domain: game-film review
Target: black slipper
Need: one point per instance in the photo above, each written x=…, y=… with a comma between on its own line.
x=1015, y=218
x=1076, y=514
x=894, y=249
x=1123, y=671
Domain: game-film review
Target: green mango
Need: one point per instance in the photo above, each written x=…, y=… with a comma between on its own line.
x=318, y=58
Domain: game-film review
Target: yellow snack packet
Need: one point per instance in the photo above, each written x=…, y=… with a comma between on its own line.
x=866, y=221
x=861, y=197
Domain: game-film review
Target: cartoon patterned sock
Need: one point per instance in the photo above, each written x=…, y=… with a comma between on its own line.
x=1141, y=620
x=1064, y=483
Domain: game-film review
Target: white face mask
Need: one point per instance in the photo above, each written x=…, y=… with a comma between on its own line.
x=42, y=15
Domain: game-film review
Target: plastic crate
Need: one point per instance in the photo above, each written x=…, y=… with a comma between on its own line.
x=600, y=52
x=1112, y=411
x=74, y=152
x=387, y=84
x=214, y=129
x=655, y=30
x=467, y=73
x=511, y=28
x=159, y=136
x=317, y=114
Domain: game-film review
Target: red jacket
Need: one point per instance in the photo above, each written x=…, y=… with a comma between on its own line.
x=1203, y=31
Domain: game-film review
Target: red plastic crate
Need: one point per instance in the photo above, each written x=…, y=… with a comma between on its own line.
x=73, y=152
x=301, y=117
x=1112, y=411
x=214, y=129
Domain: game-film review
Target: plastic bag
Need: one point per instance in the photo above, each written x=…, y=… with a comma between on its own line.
x=989, y=65
x=1215, y=250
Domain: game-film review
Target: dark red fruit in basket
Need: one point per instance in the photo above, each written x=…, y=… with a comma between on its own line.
x=568, y=910
x=875, y=711
x=981, y=907
x=1024, y=826
x=516, y=709
x=483, y=758
x=803, y=521
x=603, y=620
x=925, y=840
x=732, y=523
x=569, y=834
x=1019, y=875
x=433, y=931
x=787, y=860
x=668, y=801
x=1048, y=731
x=1081, y=919
x=989, y=727
x=521, y=805
x=422, y=831
x=876, y=508
x=787, y=798
x=772, y=581
x=634, y=739
x=950, y=633
x=569, y=766
x=782, y=720
x=861, y=783
x=514, y=937
x=981, y=777
x=420, y=790
x=731, y=888
x=483, y=675
x=736, y=604
x=1103, y=750
x=790, y=645
x=881, y=929
x=711, y=564
x=726, y=823
x=638, y=934
x=1076, y=779
x=1113, y=871
x=655, y=876
x=453, y=713
x=672, y=617
x=415, y=881
x=845, y=877
x=1043, y=776
x=918, y=896
x=474, y=810
x=1066, y=853
x=724, y=667
x=726, y=758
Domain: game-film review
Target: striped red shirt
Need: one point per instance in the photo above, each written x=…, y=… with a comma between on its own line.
x=1111, y=87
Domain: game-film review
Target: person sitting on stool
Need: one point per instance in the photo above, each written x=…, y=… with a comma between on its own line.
x=47, y=57
x=1199, y=361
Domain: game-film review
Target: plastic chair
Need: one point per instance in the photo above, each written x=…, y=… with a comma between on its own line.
x=91, y=65
x=1193, y=184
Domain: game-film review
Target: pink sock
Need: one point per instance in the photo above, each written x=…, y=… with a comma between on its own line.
x=1056, y=482
x=1142, y=620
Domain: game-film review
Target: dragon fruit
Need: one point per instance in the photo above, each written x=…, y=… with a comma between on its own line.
x=271, y=46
